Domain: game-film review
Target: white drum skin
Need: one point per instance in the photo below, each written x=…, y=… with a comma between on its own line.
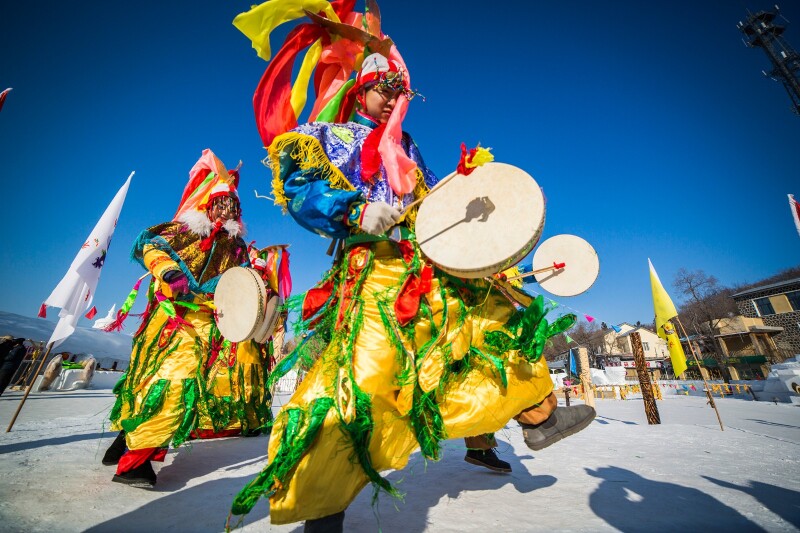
x=477, y=225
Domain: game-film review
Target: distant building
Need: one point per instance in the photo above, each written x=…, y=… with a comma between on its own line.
x=609, y=347
x=778, y=306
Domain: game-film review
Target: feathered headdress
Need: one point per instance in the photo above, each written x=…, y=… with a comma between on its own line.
x=337, y=39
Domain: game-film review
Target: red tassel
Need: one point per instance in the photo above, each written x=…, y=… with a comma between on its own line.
x=43, y=311
x=92, y=312
x=465, y=157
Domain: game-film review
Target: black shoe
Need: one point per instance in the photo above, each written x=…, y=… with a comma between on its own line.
x=564, y=421
x=333, y=523
x=487, y=459
x=142, y=476
x=115, y=451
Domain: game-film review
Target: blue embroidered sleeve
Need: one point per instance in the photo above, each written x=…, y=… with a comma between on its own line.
x=318, y=207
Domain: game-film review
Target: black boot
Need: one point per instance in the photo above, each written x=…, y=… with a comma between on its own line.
x=115, y=451
x=564, y=421
x=487, y=459
x=333, y=523
x=142, y=476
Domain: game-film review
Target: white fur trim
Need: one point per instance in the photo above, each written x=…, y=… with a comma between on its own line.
x=199, y=224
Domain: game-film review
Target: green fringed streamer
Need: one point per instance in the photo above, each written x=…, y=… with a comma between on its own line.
x=496, y=362
x=428, y=424
x=562, y=324
x=286, y=364
x=188, y=305
x=189, y=396
x=360, y=431
x=120, y=383
x=152, y=405
x=129, y=301
x=530, y=331
x=167, y=307
x=298, y=435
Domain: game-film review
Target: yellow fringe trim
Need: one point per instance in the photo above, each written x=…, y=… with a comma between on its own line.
x=308, y=153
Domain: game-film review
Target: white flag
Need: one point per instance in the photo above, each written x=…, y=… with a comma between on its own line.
x=75, y=291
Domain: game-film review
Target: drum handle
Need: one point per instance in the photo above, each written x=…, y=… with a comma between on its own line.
x=556, y=266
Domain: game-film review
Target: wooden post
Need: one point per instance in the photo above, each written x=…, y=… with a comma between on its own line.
x=30, y=386
x=586, y=377
x=650, y=407
x=705, y=383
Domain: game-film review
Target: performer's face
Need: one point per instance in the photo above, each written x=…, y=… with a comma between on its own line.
x=224, y=208
x=379, y=101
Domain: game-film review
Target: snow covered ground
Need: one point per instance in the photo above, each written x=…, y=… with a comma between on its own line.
x=620, y=474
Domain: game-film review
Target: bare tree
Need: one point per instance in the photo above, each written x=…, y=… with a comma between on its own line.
x=707, y=303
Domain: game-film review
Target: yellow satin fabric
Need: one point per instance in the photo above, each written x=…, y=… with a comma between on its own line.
x=223, y=380
x=149, y=366
x=328, y=478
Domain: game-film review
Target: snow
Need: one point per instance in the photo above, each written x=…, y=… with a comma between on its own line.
x=619, y=474
x=102, y=345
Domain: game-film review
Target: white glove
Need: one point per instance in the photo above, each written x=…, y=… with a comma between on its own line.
x=378, y=217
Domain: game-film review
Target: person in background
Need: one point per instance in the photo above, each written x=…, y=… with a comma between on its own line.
x=11, y=362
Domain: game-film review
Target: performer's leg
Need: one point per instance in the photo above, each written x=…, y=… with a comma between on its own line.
x=327, y=524
x=546, y=423
x=135, y=467
x=480, y=452
x=115, y=451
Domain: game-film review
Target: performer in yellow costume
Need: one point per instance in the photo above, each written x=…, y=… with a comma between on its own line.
x=413, y=355
x=184, y=376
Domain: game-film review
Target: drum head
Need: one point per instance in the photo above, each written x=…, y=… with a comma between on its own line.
x=474, y=226
x=239, y=299
x=581, y=265
x=270, y=319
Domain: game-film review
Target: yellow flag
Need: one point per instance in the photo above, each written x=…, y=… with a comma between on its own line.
x=667, y=332
x=665, y=310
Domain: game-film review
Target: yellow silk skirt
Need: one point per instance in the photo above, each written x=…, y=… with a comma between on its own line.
x=237, y=381
x=328, y=477
x=174, y=356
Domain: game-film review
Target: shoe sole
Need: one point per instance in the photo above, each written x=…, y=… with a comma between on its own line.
x=558, y=436
x=138, y=483
x=110, y=463
x=475, y=462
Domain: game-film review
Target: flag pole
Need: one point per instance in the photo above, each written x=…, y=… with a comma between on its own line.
x=30, y=386
x=705, y=383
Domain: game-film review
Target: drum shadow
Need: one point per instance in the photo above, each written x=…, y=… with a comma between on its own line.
x=479, y=208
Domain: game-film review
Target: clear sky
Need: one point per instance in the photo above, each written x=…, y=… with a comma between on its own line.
x=649, y=126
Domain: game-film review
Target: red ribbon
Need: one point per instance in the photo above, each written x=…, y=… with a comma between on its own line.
x=205, y=244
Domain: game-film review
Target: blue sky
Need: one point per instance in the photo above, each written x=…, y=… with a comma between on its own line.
x=649, y=126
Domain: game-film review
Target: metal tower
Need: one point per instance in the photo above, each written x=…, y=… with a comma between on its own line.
x=760, y=31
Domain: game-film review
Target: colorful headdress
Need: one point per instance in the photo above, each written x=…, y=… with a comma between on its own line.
x=337, y=39
x=208, y=179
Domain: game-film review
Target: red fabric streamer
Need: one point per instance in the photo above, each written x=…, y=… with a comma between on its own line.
x=284, y=275
x=407, y=304
x=92, y=313
x=316, y=298
x=43, y=311
x=466, y=157
x=370, y=157
x=205, y=244
x=272, y=99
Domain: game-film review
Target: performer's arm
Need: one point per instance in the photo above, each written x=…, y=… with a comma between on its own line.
x=317, y=206
x=159, y=263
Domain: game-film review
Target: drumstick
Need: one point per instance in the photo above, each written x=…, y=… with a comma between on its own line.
x=556, y=266
x=435, y=188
